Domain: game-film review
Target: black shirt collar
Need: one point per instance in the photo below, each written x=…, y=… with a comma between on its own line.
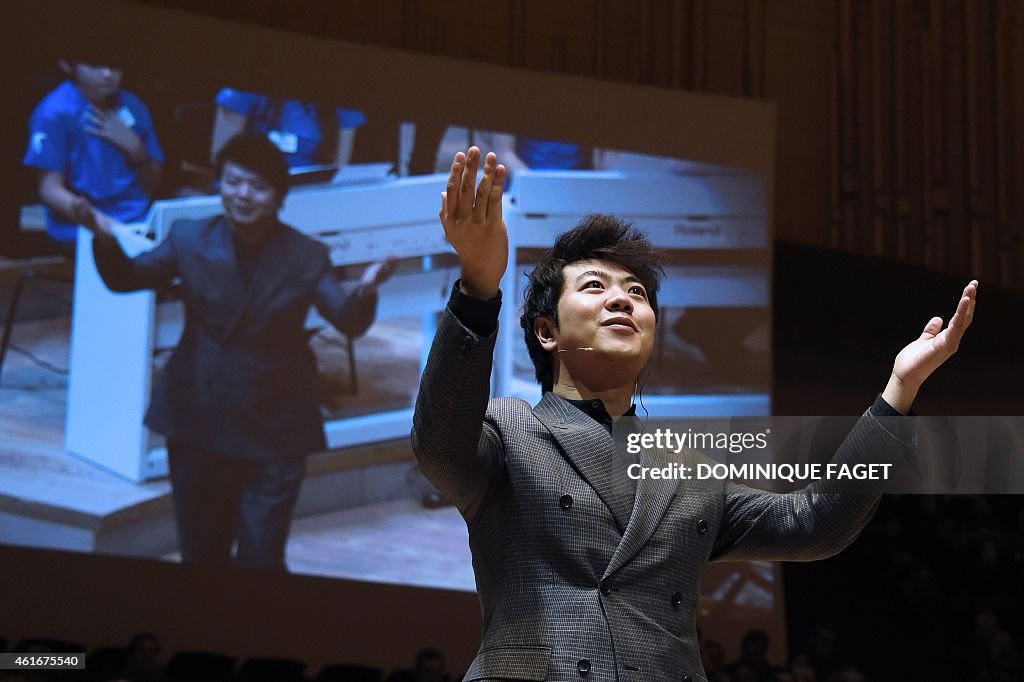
x=596, y=410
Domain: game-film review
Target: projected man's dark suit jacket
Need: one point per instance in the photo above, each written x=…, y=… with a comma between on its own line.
x=573, y=586
x=242, y=380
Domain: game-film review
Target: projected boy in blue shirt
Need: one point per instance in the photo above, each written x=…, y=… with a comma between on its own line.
x=94, y=145
x=549, y=154
x=305, y=134
x=531, y=153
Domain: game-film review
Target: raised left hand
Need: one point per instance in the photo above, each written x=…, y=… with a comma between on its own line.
x=921, y=357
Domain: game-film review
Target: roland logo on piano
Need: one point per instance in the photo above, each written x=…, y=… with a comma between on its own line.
x=698, y=226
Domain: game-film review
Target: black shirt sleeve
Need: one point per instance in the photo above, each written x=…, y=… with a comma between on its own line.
x=477, y=315
x=899, y=424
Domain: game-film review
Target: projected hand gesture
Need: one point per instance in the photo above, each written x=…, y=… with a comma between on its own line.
x=377, y=273
x=105, y=123
x=473, y=224
x=921, y=357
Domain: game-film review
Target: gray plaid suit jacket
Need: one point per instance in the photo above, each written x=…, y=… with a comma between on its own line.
x=242, y=380
x=573, y=585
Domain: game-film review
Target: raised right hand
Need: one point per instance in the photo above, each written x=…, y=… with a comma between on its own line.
x=473, y=224
x=924, y=355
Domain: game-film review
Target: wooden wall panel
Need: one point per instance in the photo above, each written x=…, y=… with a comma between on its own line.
x=725, y=51
x=615, y=50
x=799, y=59
x=555, y=43
x=696, y=71
x=879, y=64
x=661, y=21
x=1010, y=141
x=901, y=124
x=455, y=29
x=980, y=125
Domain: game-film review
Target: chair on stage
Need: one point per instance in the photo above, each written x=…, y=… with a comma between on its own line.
x=39, y=269
x=346, y=343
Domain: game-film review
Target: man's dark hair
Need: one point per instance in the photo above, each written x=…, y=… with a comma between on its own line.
x=256, y=154
x=596, y=237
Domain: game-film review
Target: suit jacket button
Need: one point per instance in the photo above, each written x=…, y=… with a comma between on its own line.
x=565, y=501
x=686, y=678
x=583, y=666
x=606, y=589
x=702, y=526
x=677, y=598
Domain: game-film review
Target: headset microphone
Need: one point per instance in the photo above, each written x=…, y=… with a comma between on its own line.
x=569, y=350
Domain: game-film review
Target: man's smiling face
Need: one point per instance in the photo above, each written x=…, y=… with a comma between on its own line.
x=605, y=307
x=249, y=198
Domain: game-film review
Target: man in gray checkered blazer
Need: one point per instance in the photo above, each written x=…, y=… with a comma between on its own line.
x=581, y=575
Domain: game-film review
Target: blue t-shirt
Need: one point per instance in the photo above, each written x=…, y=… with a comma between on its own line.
x=92, y=166
x=291, y=124
x=549, y=154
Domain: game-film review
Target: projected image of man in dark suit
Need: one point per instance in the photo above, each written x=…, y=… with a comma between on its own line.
x=582, y=572
x=238, y=399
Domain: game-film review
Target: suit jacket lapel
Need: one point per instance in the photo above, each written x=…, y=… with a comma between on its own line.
x=588, y=447
x=266, y=276
x=272, y=270
x=223, y=273
x=653, y=497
